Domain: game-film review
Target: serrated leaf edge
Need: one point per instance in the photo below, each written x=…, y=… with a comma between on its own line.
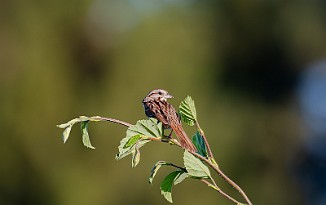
x=189, y=159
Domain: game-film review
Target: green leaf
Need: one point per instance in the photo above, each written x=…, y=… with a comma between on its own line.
x=180, y=178
x=85, y=136
x=84, y=128
x=125, y=150
x=66, y=133
x=135, y=157
x=195, y=167
x=168, y=182
x=155, y=169
x=187, y=111
x=132, y=141
x=150, y=127
x=200, y=145
x=159, y=164
x=143, y=130
x=67, y=126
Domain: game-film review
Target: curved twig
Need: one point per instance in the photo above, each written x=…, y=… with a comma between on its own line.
x=215, y=187
x=111, y=120
x=226, y=178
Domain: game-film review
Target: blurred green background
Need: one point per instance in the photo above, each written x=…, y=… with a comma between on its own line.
x=239, y=60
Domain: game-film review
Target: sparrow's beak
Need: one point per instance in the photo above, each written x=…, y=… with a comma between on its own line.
x=168, y=96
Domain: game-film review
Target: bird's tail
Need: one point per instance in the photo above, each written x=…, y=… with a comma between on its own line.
x=183, y=138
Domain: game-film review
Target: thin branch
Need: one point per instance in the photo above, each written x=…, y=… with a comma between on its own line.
x=111, y=120
x=220, y=173
x=176, y=166
x=237, y=187
x=226, y=178
x=205, y=140
x=216, y=167
x=215, y=187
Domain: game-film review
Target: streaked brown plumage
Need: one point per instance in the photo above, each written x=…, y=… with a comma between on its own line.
x=156, y=105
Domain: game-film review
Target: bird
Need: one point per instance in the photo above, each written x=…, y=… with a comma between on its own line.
x=157, y=106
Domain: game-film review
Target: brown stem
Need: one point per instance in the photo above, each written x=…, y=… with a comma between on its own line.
x=217, y=169
x=215, y=187
x=210, y=154
x=226, y=178
x=111, y=120
x=234, y=186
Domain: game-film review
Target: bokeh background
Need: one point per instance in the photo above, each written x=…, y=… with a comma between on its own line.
x=254, y=68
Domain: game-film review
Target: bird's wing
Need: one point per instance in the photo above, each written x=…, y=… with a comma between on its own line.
x=156, y=109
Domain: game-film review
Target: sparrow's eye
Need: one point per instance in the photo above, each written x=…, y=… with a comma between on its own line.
x=160, y=93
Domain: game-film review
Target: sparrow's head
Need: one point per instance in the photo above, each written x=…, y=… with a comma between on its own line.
x=157, y=95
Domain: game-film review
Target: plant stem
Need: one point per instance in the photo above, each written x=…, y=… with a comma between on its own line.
x=234, y=185
x=98, y=118
x=220, y=173
x=215, y=187
x=226, y=178
x=214, y=165
x=210, y=154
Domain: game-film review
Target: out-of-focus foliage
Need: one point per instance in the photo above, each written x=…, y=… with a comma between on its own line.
x=239, y=61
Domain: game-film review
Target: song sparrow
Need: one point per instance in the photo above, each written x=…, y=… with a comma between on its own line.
x=156, y=105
